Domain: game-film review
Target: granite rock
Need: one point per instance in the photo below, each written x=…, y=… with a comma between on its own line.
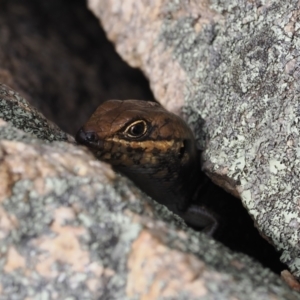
x=71, y=228
x=232, y=69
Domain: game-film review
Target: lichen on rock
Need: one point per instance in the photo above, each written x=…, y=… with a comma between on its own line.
x=237, y=71
x=72, y=225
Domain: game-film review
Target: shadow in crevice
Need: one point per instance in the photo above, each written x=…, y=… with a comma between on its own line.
x=59, y=58
x=236, y=228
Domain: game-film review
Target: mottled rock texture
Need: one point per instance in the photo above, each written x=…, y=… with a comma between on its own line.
x=232, y=67
x=71, y=228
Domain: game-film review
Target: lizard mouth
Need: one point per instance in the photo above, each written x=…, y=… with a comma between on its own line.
x=89, y=138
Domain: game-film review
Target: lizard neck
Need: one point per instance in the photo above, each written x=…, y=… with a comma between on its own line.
x=174, y=186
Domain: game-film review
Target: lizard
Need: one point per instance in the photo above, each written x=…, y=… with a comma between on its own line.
x=154, y=148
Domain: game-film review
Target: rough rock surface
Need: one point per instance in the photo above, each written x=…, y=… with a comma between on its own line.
x=234, y=68
x=70, y=225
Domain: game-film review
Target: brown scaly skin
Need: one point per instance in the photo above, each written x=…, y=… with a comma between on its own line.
x=155, y=149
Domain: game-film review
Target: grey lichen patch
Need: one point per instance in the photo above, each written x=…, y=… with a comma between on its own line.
x=243, y=81
x=9, y=132
x=15, y=109
x=41, y=237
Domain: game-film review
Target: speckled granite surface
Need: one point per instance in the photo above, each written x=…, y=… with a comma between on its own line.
x=232, y=68
x=71, y=228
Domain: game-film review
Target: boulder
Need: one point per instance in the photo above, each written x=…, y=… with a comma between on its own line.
x=72, y=226
x=232, y=69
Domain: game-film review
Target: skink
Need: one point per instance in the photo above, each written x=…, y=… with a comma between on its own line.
x=154, y=148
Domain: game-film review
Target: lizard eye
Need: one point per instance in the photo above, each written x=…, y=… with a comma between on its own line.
x=136, y=129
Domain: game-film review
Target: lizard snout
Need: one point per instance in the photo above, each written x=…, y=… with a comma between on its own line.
x=88, y=138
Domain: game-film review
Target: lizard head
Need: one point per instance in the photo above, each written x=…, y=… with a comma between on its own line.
x=133, y=132
x=154, y=148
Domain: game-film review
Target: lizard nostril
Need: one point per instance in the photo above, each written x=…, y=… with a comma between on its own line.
x=83, y=137
x=91, y=136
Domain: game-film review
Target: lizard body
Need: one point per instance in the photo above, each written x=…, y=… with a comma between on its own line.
x=154, y=148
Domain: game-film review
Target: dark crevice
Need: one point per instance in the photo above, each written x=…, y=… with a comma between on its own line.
x=60, y=60
x=236, y=228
